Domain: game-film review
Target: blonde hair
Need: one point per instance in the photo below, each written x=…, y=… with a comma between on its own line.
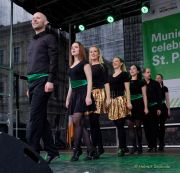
x=100, y=59
x=123, y=67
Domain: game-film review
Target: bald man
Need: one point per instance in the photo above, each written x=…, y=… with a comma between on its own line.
x=41, y=72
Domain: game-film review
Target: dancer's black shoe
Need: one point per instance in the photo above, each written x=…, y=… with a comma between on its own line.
x=133, y=150
x=121, y=152
x=151, y=150
x=52, y=157
x=91, y=155
x=76, y=154
x=100, y=151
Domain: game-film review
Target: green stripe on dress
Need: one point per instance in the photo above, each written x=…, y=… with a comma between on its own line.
x=136, y=96
x=78, y=83
x=152, y=104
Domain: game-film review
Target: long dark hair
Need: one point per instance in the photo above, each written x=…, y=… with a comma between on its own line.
x=139, y=75
x=82, y=53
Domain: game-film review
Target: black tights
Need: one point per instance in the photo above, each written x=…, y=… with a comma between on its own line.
x=96, y=135
x=135, y=131
x=121, y=132
x=161, y=129
x=80, y=131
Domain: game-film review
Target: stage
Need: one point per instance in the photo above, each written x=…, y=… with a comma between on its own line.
x=167, y=162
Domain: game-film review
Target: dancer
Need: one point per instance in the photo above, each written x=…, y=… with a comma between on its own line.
x=120, y=101
x=41, y=70
x=101, y=94
x=79, y=99
x=153, y=92
x=139, y=108
x=165, y=111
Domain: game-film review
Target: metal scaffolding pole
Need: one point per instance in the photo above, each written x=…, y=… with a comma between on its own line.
x=11, y=75
x=72, y=36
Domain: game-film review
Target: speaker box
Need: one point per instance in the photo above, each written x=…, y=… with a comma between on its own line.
x=18, y=157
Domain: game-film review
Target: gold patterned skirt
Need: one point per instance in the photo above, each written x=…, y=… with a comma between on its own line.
x=100, y=100
x=118, y=108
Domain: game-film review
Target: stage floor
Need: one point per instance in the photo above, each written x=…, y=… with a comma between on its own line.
x=167, y=162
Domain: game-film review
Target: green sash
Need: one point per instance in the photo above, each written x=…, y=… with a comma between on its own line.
x=136, y=96
x=152, y=104
x=33, y=77
x=78, y=83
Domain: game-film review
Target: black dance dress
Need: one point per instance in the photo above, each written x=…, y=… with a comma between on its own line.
x=99, y=75
x=79, y=90
x=118, y=107
x=100, y=78
x=137, y=99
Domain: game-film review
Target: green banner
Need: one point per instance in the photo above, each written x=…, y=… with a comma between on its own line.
x=161, y=42
x=161, y=39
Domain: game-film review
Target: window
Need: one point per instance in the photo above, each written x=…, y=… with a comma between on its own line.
x=1, y=56
x=16, y=55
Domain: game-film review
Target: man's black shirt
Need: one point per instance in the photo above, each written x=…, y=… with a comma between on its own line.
x=153, y=91
x=42, y=55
